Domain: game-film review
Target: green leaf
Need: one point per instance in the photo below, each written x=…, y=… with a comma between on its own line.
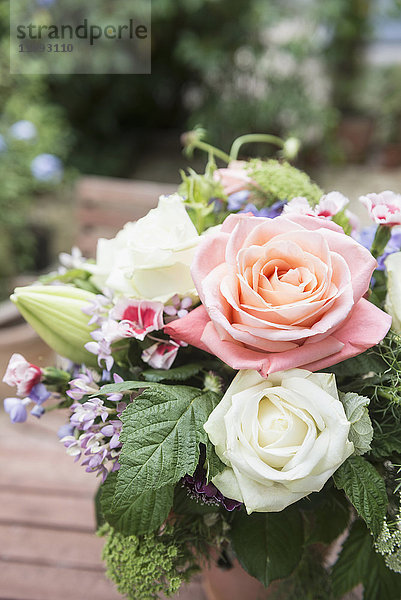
x=268, y=545
x=358, y=562
x=343, y=221
x=361, y=430
x=379, y=581
x=161, y=434
x=98, y=509
x=365, y=489
x=326, y=530
x=124, y=387
x=178, y=374
x=385, y=444
x=141, y=514
x=214, y=465
x=350, y=568
x=357, y=366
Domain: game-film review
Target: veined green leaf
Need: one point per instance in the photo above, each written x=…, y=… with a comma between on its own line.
x=365, y=489
x=268, y=545
x=161, y=434
x=178, y=374
x=141, y=514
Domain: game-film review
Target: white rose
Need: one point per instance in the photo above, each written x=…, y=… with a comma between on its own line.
x=393, y=299
x=150, y=258
x=281, y=437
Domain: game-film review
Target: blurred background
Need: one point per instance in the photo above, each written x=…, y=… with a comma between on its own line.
x=327, y=72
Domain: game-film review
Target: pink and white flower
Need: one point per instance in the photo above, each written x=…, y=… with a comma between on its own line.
x=384, y=208
x=138, y=317
x=22, y=374
x=161, y=355
x=329, y=205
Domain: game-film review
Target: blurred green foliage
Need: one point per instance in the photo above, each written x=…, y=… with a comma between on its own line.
x=235, y=67
x=23, y=99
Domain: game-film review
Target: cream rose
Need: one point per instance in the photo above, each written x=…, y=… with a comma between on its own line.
x=150, y=258
x=281, y=437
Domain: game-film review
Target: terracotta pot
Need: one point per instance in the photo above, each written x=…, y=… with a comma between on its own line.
x=232, y=584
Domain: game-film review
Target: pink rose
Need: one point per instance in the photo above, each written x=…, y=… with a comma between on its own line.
x=282, y=293
x=234, y=178
x=384, y=208
x=22, y=374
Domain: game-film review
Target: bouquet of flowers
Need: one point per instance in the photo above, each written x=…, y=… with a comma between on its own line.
x=234, y=377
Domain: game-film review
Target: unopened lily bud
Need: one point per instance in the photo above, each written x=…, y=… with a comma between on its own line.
x=55, y=313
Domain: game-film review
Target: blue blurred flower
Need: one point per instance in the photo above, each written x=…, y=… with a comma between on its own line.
x=366, y=236
x=23, y=130
x=45, y=2
x=217, y=204
x=37, y=411
x=65, y=430
x=237, y=200
x=47, y=167
x=39, y=393
x=16, y=408
x=3, y=145
x=268, y=212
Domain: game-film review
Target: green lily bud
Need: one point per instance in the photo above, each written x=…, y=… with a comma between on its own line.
x=55, y=313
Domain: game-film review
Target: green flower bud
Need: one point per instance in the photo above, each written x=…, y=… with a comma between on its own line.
x=291, y=148
x=55, y=313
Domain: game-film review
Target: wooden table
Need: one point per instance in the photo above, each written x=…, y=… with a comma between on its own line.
x=48, y=547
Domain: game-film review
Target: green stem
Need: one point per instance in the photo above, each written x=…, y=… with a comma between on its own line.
x=251, y=138
x=211, y=150
x=382, y=237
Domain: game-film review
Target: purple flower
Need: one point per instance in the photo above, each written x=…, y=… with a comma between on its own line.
x=199, y=489
x=115, y=397
x=178, y=308
x=16, y=408
x=84, y=415
x=37, y=411
x=23, y=130
x=83, y=385
x=101, y=348
x=237, y=200
x=268, y=212
x=3, y=145
x=65, y=430
x=47, y=167
x=98, y=308
x=39, y=394
x=113, y=430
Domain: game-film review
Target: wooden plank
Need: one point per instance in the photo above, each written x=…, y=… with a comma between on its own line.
x=46, y=511
x=32, y=582
x=105, y=204
x=31, y=456
x=108, y=189
x=52, y=548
